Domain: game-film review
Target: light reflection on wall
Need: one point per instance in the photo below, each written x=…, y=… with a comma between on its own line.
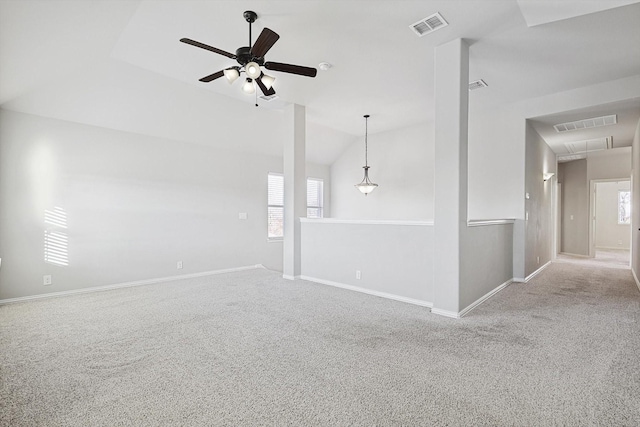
x=56, y=241
x=43, y=176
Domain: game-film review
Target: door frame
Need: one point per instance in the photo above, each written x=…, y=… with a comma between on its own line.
x=592, y=211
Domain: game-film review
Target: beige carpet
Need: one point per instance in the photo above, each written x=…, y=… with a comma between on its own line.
x=250, y=348
x=606, y=258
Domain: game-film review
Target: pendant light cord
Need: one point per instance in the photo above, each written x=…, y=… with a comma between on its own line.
x=366, y=144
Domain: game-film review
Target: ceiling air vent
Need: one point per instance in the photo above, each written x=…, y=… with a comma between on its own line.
x=587, y=146
x=269, y=97
x=478, y=84
x=428, y=24
x=587, y=123
x=569, y=157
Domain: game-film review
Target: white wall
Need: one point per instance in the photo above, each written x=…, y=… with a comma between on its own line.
x=401, y=164
x=136, y=205
x=538, y=227
x=610, y=234
x=393, y=259
x=496, y=162
x=575, y=207
x=482, y=270
x=609, y=164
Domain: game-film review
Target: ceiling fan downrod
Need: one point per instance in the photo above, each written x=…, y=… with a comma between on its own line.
x=250, y=16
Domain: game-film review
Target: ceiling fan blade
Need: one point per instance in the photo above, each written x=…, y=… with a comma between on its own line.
x=265, y=41
x=212, y=77
x=207, y=47
x=263, y=88
x=293, y=69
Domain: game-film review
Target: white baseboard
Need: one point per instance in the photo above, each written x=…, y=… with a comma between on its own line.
x=445, y=313
x=484, y=298
x=532, y=275
x=127, y=284
x=635, y=276
x=369, y=291
x=576, y=255
x=535, y=273
x=615, y=248
x=473, y=305
x=289, y=277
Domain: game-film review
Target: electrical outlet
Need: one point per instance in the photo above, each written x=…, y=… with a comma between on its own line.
x=620, y=242
x=179, y=266
x=538, y=260
x=358, y=275
x=46, y=280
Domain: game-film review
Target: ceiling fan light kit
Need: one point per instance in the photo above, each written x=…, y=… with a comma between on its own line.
x=251, y=60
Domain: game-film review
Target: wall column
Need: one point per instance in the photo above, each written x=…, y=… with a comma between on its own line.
x=451, y=187
x=295, y=189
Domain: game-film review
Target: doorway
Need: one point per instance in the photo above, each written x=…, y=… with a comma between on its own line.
x=610, y=225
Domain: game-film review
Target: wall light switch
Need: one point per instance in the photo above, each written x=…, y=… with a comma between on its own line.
x=242, y=215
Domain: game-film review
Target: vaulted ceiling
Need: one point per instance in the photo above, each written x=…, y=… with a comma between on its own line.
x=119, y=64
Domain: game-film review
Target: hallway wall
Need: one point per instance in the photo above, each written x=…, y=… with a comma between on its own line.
x=575, y=207
x=538, y=228
x=635, y=210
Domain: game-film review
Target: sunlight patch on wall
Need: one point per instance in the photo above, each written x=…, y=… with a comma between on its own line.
x=56, y=241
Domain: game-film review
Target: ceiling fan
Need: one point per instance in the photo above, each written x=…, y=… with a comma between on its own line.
x=251, y=58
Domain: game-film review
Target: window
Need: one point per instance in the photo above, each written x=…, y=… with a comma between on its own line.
x=624, y=207
x=275, y=206
x=314, y=198
x=275, y=203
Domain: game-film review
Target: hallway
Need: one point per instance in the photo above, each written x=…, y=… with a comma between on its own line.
x=609, y=258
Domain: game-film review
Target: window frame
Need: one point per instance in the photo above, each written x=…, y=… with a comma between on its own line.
x=319, y=197
x=270, y=206
x=620, y=192
x=274, y=206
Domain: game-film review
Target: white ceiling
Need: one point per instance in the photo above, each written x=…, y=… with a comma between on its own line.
x=119, y=64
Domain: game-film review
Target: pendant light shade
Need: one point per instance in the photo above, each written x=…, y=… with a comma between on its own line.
x=253, y=70
x=248, y=87
x=231, y=74
x=267, y=81
x=366, y=186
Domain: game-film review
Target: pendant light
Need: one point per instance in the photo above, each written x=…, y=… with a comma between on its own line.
x=366, y=186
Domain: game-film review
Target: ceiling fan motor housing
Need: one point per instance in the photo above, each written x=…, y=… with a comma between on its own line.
x=244, y=56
